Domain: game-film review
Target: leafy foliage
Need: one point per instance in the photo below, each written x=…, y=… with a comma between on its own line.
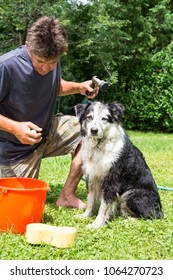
x=149, y=103
x=118, y=41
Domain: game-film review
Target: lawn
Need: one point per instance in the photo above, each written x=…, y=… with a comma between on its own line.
x=119, y=239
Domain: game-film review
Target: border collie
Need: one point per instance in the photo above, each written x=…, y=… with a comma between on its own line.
x=118, y=179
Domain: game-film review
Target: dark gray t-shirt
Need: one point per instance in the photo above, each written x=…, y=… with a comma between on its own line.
x=25, y=95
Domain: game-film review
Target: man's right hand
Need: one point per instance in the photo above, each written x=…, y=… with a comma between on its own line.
x=28, y=133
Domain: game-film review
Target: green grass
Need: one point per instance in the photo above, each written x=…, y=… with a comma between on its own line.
x=119, y=239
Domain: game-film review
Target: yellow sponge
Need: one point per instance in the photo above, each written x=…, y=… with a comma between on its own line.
x=58, y=236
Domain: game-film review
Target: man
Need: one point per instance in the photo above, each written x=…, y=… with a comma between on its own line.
x=29, y=83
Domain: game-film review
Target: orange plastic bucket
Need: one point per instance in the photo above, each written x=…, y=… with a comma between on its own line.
x=22, y=202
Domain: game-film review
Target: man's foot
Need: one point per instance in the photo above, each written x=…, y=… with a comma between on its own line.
x=70, y=201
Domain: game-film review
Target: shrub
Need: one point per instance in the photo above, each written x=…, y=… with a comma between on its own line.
x=149, y=103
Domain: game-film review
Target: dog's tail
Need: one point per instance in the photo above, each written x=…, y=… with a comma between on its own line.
x=143, y=203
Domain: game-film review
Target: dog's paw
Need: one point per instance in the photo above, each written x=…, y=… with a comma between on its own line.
x=93, y=226
x=129, y=219
x=90, y=226
x=81, y=216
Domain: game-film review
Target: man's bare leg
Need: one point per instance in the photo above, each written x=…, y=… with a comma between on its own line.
x=68, y=197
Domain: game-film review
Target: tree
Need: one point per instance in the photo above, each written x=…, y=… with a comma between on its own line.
x=15, y=18
x=116, y=40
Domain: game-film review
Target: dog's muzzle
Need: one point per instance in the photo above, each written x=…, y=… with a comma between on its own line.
x=94, y=132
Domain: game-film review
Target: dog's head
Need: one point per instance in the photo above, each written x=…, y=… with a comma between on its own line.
x=96, y=118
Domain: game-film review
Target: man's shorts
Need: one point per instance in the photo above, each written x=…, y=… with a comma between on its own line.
x=63, y=138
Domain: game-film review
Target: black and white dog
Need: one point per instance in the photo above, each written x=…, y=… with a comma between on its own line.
x=118, y=178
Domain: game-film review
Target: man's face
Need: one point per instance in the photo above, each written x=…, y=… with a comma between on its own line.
x=42, y=65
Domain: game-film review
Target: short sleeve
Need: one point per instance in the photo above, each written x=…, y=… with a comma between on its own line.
x=4, y=82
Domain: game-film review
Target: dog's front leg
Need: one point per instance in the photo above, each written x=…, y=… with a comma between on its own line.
x=90, y=210
x=103, y=216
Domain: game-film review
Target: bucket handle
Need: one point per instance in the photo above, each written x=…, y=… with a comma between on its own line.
x=3, y=190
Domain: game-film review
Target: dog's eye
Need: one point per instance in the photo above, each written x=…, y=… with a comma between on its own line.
x=89, y=118
x=104, y=119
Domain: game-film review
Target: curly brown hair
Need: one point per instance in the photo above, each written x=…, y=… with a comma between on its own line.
x=47, y=38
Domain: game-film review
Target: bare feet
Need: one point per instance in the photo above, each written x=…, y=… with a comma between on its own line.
x=70, y=201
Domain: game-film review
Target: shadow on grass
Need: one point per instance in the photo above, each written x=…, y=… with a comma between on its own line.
x=56, y=189
x=53, y=193
x=52, y=211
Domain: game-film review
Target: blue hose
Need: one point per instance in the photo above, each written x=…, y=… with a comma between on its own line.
x=165, y=188
x=159, y=187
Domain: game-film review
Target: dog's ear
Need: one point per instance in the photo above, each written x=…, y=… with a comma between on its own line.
x=117, y=111
x=80, y=109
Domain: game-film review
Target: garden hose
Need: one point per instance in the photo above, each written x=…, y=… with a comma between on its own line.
x=165, y=188
x=159, y=187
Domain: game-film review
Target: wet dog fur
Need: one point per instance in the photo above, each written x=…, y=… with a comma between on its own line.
x=118, y=178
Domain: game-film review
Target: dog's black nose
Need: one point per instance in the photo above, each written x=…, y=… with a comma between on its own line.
x=94, y=130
